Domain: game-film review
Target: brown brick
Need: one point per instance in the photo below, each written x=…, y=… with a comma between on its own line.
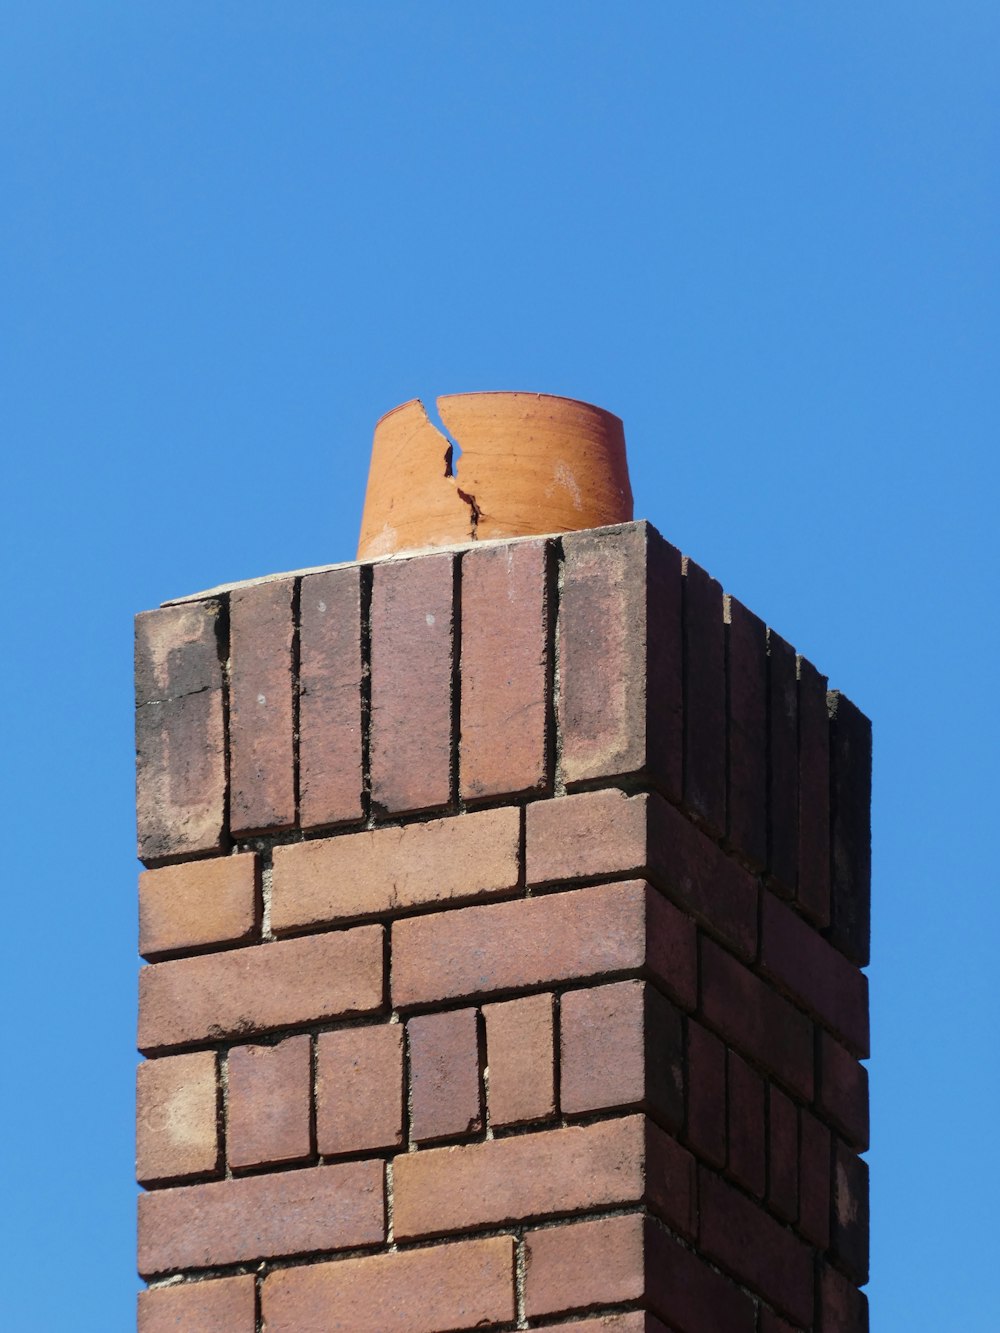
x=198, y=903
x=586, y=1263
x=814, y=795
x=782, y=1156
x=619, y=703
x=747, y=1157
x=177, y=1107
x=634, y=1321
x=359, y=1089
x=850, y=828
x=615, y=928
x=843, y=1092
x=269, y=1103
x=412, y=628
x=849, y=1216
x=704, y=699
x=431, y=1290
x=330, y=776
x=685, y=1291
x=746, y=684
x=820, y=976
x=384, y=870
x=750, y=1015
x=756, y=1249
x=520, y=1052
x=180, y=732
x=783, y=766
x=706, y=1094
x=814, y=1180
x=445, y=1098
x=843, y=1309
x=773, y=1323
x=505, y=669
x=224, y=1305
x=621, y=1046
x=571, y=1169
x=261, y=754
x=260, y=989
x=261, y=1217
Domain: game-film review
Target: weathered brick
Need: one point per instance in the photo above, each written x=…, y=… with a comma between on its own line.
x=261, y=753
x=755, y=1248
x=330, y=676
x=814, y=1180
x=773, y=1323
x=260, y=989
x=782, y=1156
x=843, y=1309
x=180, y=732
x=177, y=1108
x=842, y=1095
x=621, y=1046
x=198, y=903
x=849, y=1216
x=706, y=1094
x=596, y=932
x=445, y=1097
x=783, y=765
x=412, y=640
x=383, y=870
x=520, y=1052
x=261, y=1217
x=269, y=1103
x=746, y=685
x=687, y=1293
x=505, y=669
x=704, y=699
x=585, y=1263
x=746, y=1012
x=850, y=828
x=467, y=1284
x=619, y=703
x=746, y=1122
x=224, y=1305
x=359, y=1089
x=633, y=1321
x=820, y=976
x=813, y=894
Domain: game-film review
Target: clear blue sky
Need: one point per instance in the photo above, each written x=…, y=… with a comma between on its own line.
x=765, y=234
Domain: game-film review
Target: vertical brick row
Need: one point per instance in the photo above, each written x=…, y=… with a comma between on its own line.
x=704, y=700
x=813, y=894
x=746, y=709
x=783, y=765
x=850, y=834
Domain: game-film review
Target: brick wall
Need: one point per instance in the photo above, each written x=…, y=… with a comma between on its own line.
x=504, y=917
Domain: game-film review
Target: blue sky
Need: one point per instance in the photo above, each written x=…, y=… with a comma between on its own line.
x=233, y=234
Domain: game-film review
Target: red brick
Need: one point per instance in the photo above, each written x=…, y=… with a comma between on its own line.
x=224, y=1305
x=849, y=1216
x=261, y=754
x=431, y=1290
x=615, y=928
x=385, y=870
x=850, y=828
x=814, y=1180
x=269, y=1103
x=782, y=1156
x=445, y=1098
x=706, y=1099
x=260, y=989
x=704, y=699
x=783, y=765
x=753, y=1017
x=756, y=1249
x=177, y=1109
x=180, y=732
x=520, y=1052
x=746, y=684
x=621, y=1046
x=586, y=1263
x=330, y=675
x=619, y=702
x=198, y=903
x=359, y=1089
x=843, y=1092
x=687, y=1293
x=634, y=1321
x=261, y=1217
x=412, y=633
x=820, y=976
x=843, y=1309
x=572, y=1169
x=814, y=795
x=505, y=669
x=746, y=1120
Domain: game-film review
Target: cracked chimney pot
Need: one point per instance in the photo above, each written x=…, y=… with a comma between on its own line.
x=525, y=464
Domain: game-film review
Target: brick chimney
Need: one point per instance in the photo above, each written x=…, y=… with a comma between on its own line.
x=504, y=916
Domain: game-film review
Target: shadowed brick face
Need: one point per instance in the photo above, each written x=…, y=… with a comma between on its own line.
x=505, y=911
